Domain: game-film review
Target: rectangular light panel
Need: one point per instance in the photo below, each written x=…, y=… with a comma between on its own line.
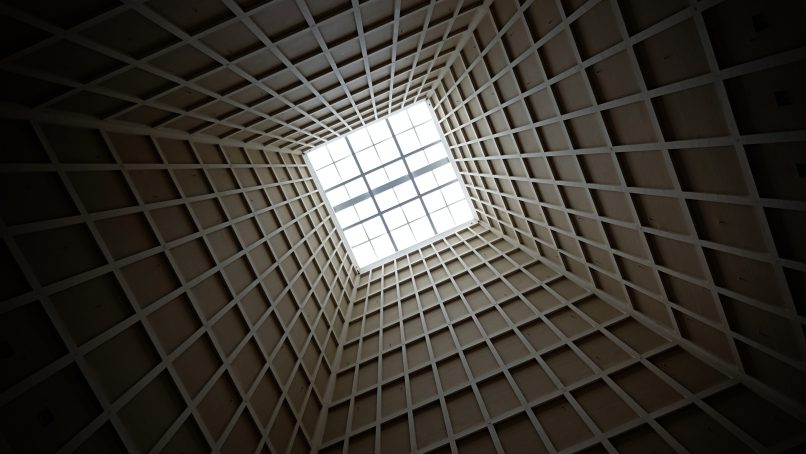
x=392, y=185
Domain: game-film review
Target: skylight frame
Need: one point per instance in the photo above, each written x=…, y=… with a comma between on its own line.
x=445, y=164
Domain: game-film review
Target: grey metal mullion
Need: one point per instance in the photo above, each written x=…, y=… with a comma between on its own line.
x=403, y=203
x=374, y=202
x=357, y=177
x=394, y=183
x=411, y=175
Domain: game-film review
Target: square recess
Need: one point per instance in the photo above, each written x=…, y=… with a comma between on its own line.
x=392, y=186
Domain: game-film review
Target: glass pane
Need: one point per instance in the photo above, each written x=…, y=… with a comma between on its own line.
x=364, y=255
x=347, y=216
x=419, y=113
x=413, y=210
x=356, y=188
x=352, y=169
x=408, y=141
x=452, y=193
x=436, y=152
x=417, y=161
x=319, y=157
x=359, y=140
x=356, y=235
x=368, y=159
x=338, y=149
x=426, y=182
x=377, y=178
x=383, y=246
x=395, y=170
x=405, y=191
x=394, y=218
x=374, y=227
x=427, y=133
x=365, y=208
x=379, y=132
x=387, y=151
x=422, y=229
x=347, y=169
x=433, y=201
x=403, y=236
x=386, y=199
x=400, y=122
x=328, y=176
x=337, y=196
x=461, y=212
x=444, y=174
x=442, y=220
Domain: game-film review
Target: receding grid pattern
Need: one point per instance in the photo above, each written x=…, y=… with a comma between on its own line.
x=199, y=287
x=284, y=74
x=471, y=344
x=391, y=185
x=648, y=153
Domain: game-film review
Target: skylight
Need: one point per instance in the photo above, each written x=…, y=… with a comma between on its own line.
x=391, y=185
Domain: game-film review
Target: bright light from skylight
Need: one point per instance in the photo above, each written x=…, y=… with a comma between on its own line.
x=392, y=185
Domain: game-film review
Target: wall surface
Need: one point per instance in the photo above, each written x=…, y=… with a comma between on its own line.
x=653, y=154
x=472, y=344
x=163, y=295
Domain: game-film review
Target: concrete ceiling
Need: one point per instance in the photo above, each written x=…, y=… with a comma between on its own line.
x=286, y=74
x=167, y=257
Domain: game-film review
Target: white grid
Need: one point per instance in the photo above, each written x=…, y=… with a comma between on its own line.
x=391, y=185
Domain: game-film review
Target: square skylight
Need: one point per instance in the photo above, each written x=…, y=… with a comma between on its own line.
x=392, y=185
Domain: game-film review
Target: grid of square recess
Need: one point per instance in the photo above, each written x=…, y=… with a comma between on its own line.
x=472, y=344
x=649, y=154
x=391, y=185
x=198, y=287
x=285, y=74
